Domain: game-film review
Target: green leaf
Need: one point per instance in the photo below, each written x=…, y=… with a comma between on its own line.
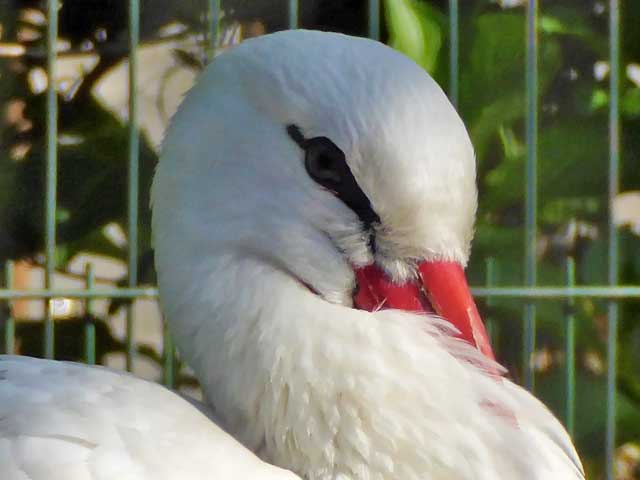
x=565, y=21
x=570, y=168
x=414, y=30
x=513, y=148
x=599, y=99
x=556, y=211
x=631, y=102
x=568, y=21
x=496, y=63
x=489, y=118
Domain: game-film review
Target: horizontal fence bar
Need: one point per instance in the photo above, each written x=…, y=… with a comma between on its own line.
x=535, y=293
x=138, y=292
x=558, y=293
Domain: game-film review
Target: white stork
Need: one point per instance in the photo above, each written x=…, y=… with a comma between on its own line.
x=313, y=210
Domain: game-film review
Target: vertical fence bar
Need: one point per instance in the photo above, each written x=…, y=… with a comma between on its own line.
x=614, y=161
x=531, y=188
x=52, y=172
x=374, y=19
x=168, y=353
x=570, y=349
x=213, y=28
x=10, y=325
x=134, y=142
x=490, y=281
x=293, y=10
x=89, y=326
x=453, y=51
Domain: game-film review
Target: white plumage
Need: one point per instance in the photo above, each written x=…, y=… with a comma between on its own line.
x=65, y=421
x=256, y=273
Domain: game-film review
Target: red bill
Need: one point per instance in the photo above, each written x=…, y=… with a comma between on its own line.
x=441, y=289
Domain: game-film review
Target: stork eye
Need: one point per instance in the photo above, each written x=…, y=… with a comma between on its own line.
x=326, y=165
x=325, y=162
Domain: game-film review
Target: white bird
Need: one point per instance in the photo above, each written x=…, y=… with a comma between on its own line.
x=313, y=210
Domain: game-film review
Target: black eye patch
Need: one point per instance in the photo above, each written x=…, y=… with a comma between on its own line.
x=326, y=165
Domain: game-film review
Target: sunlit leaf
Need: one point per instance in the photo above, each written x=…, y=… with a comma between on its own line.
x=415, y=31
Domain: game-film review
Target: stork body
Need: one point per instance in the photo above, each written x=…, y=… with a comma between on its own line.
x=66, y=421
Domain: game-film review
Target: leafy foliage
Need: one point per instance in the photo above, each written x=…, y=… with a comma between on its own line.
x=572, y=185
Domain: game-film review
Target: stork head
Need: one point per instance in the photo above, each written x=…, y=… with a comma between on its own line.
x=334, y=159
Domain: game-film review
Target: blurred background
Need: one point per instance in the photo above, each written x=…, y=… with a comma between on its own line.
x=577, y=223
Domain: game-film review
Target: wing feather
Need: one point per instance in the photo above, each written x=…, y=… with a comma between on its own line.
x=65, y=421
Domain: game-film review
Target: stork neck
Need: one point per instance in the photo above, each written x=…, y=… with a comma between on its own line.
x=321, y=389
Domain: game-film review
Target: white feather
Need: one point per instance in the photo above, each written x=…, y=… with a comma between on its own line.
x=65, y=421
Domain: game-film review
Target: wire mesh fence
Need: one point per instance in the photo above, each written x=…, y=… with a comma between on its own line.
x=528, y=295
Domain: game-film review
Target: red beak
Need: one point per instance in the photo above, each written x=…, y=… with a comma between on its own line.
x=442, y=289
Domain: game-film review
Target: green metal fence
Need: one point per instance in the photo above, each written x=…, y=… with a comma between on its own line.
x=530, y=293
